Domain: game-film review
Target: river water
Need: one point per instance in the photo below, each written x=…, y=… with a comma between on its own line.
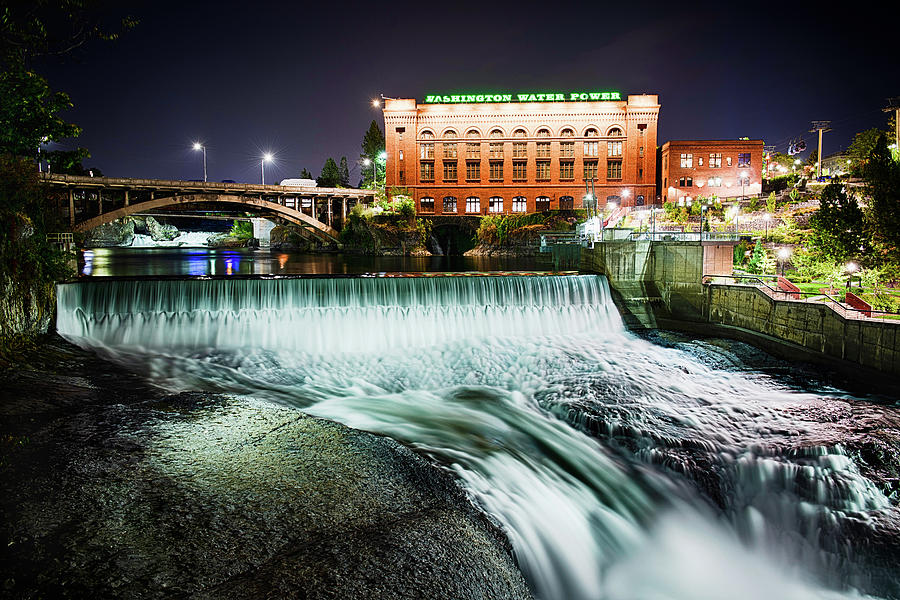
x=619, y=466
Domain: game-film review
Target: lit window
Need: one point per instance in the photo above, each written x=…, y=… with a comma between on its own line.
x=727, y=161
x=543, y=149
x=496, y=170
x=591, y=132
x=641, y=151
x=401, y=154
x=687, y=161
x=473, y=171
x=700, y=161
x=473, y=204
x=543, y=133
x=714, y=182
x=520, y=170
x=450, y=170
x=519, y=204
x=567, y=149
x=743, y=159
x=614, y=148
x=591, y=148
x=614, y=132
x=567, y=169
x=426, y=151
x=473, y=150
x=426, y=171
x=426, y=135
x=495, y=204
x=614, y=169
x=520, y=149
x=715, y=161
x=519, y=133
x=450, y=150
x=541, y=203
x=590, y=169
x=426, y=205
x=543, y=170
x=496, y=149
x=449, y=204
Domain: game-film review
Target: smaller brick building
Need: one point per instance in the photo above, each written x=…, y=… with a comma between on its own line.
x=692, y=168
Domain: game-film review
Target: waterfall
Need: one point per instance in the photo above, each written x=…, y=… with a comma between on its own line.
x=617, y=467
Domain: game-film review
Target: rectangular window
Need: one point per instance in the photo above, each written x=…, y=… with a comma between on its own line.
x=714, y=182
x=744, y=159
x=567, y=169
x=541, y=203
x=450, y=204
x=473, y=150
x=450, y=150
x=641, y=151
x=614, y=148
x=700, y=161
x=401, y=154
x=687, y=161
x=426, y=205
x=496, y=170
x=689, y=182
x=543, y=149
x=614, y=169
x=519, y=204
x=473, y=205
x=591, y=149
x=590, y=169
x=543, y=170
x=520, y=170
x=495, y=205
x=426, y=171
x=715, y=160
x=727, y=161
x=567, y=149
x=520, y=150
x=473, y=171
x=402, y=177
x=449, y=170
x=426, y=151
x=496, y=150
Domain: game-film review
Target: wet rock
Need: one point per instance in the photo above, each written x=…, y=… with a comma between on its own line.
x=289, y=237
x=159, y=232
x=116, y=233
x=226, y=240
x=113, y=489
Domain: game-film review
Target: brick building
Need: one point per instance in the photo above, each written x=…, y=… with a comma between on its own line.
x=692, y=168
x=484, y=154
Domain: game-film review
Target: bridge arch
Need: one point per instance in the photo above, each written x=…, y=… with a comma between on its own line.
x=289, y=214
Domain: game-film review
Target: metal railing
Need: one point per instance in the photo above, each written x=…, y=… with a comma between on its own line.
x=848, y=312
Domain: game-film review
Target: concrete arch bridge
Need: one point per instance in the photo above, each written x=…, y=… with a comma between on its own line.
x=88, y=202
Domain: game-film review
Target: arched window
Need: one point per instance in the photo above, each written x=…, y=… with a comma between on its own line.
x=426, y=205
x=542, y=203
x=519, y=133
x=567, y=132
x=473, y=205
x=566, y=203
x=591, y=132
x=496, y=133
x=614, y=132
x=473, y=134
x=450, y=134
x=495, y=204
x=613, y=201
x=543, y=132
x=520, y=204
x=449, y=204
x=426, y=135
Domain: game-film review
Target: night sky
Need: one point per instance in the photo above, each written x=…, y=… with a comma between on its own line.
x=297, y=79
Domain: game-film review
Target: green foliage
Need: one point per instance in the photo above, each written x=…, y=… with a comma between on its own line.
x=681, y=217
x=68, y=162
x=757, y=259
x=787, y=232
x=241, y=229
x=330, y=175
x=372, y=147
x=794, y=194
x=305, y=174
x=862, y=146
x=696, y=207
x=671, y=209
x=754, y=204
x=781, y=182
x=770, y=203
x=837, y=226
x=881, y=174
x=344, y=173
x=29, y=113
x=499, y=229
x=740, y=253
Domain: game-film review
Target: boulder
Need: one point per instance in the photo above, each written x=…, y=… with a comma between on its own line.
x=116, y=233
x=159, y=232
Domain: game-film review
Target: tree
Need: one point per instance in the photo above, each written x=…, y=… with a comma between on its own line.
x=372, y=147
x=330, y=176
x=757, y=258
x=838, y=226
x=305, y=174
x=770, y=203
x=780, y=159
x=881, y=174
x=344, y=172
x=862, y=146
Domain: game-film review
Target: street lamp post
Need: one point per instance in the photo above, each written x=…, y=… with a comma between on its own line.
x=199, y=146
x=783, y=255
x=267, y=157
x=381, y=156
x=766, y=218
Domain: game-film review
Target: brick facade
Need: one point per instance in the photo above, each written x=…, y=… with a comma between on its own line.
x=540, y=147
x=689, y=168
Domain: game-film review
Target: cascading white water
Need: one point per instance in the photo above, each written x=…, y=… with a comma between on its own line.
x=496, y=377
x=186, y=239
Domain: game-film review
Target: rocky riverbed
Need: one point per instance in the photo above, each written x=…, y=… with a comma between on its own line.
x=112, y=488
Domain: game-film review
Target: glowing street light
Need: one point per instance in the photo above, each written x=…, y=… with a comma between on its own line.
x=850, y=268
x=267, y=157
x=783, y=255
x=376, y=103
x=199, y=146
x=368, y=162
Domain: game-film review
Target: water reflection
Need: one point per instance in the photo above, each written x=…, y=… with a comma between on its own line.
x=117, y=262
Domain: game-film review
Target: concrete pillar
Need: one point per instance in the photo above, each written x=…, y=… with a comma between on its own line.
x=328, y=200
x=126, y=197
x=343, y=210
x=99, y=201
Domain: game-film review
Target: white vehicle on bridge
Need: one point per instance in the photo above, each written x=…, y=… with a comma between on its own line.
x=299, y=182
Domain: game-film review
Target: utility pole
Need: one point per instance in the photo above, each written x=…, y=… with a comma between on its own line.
x=894, y=107
x=821, y=127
